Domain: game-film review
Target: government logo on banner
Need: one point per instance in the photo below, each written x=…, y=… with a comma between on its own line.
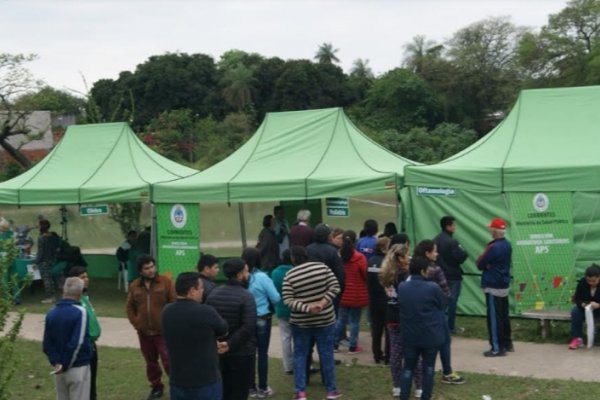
x=543, y=250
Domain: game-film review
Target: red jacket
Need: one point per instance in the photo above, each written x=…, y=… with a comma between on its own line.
x=356, y=293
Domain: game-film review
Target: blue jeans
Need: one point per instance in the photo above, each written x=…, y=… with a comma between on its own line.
x=445, y=355
x=263, y=338
x=411, y=356
x=324, y=337
x=208, y=392
x=349, y=316
x=455, y=288
x=577, y=320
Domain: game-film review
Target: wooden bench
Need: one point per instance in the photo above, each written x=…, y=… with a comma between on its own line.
x=546, y=317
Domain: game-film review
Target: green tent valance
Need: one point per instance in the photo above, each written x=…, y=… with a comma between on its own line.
x=294, y=155
x=550, y=141
x=93, y=163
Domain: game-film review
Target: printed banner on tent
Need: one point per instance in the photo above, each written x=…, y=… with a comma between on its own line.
x=543, y=250
x=178, y=237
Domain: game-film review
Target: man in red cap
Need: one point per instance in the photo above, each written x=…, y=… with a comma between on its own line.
x=495, y=262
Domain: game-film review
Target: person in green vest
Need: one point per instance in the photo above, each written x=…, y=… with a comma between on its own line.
x=94, y=326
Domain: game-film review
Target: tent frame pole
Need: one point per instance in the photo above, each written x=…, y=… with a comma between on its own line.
x=242, y=225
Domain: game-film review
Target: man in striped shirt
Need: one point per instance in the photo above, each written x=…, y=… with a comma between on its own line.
x=309, y=289
x=67, y=343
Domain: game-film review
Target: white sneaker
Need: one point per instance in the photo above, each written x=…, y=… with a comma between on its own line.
x=396, y=392
x=418, y=393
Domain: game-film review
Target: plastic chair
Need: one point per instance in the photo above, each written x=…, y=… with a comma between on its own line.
x=122, y=276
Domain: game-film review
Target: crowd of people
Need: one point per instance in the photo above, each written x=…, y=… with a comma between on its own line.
x=212, y=340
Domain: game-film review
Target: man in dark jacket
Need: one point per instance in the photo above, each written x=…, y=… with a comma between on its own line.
x=237, y=307
x=147, y=297
x=208, y=268
x=450, y=256
x=324, y=252
x=67, y=343
x=191, y=330
x=495, y=262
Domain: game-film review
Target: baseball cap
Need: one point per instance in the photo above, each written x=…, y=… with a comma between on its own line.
x=497, y=223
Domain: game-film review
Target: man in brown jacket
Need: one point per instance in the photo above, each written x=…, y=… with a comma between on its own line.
x=147, y=296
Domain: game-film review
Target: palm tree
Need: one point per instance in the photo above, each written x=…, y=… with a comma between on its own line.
x=361, y=77
x=326, y=54
x=361, y=70
x=238, y=82
x=417, y=52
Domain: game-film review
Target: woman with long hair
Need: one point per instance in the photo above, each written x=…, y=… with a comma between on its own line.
x=428, y=250
x=355, y=295
x=378, y=303
x=394, y=270
x=266, y=296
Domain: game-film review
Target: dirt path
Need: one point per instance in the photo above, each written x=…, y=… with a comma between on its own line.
x=544, y=361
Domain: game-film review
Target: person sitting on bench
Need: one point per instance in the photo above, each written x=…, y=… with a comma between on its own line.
x=586, y=293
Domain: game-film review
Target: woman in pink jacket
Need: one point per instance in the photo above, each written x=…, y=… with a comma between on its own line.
x=356, y=294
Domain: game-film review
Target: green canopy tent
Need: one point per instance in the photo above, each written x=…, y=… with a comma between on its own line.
x=294, y=156
x=93, y=163
x=540, y=170
x=297, y=155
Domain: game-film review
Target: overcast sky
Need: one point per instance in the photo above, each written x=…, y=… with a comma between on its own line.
x=98, y=39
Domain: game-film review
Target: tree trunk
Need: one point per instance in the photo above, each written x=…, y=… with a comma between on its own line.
x=15, y=154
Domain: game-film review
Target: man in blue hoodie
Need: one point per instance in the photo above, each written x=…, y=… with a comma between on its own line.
x=67, y=343
x=494, y=263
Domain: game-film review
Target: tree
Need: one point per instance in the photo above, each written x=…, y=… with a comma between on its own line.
x=110, y=100
x=428, y=147
x=266, y=74
x=10, y=327
x=400, y=100
x=220, y=139
x=127, y=215
x=566, y=52
x=238, y=82
x=304, y=85
x=15, y=80
x=53, y=100
x=361, y=78
x=166, y=82
x=326, y=54
x=486, y=77
x=420, y=52
x=174, y=135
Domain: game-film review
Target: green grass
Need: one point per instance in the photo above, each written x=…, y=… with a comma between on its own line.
x=523, y=330
x=122, y=377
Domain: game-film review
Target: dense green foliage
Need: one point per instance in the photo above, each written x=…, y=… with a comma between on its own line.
x=196, y=109
x=9, y=327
